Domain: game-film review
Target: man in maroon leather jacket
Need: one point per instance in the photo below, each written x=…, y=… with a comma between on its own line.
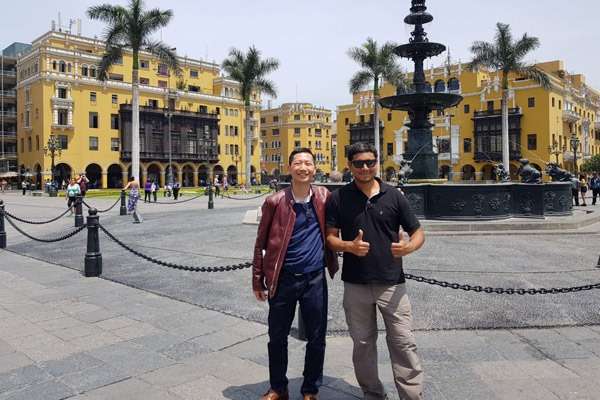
x=289, y=267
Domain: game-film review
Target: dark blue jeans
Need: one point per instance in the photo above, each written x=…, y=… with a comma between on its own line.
x=310, y=290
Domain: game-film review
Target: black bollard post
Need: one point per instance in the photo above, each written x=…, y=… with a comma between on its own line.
x=92, y=266
x=301, y=328
x=78, y=212
x=2, y=230
x=211, y=203
x=123, y=210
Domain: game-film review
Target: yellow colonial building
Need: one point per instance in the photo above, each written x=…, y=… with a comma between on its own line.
x=542, y=123
x=59, y=94
x=291, y=126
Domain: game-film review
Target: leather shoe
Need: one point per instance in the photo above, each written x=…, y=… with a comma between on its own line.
x=310, y=397
x=273, y=395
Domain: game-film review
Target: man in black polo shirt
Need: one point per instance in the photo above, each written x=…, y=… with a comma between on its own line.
x=372, y=217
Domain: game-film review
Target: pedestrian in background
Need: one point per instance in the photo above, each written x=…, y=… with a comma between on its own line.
x=134, y=194
x=73, y=190
x=595, y=186
x=583, y=187
x=24, y=186
x=154, y=190
x=176, y=188
x=147, y=191
x=83, y=182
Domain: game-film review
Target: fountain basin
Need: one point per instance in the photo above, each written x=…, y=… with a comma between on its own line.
x=474, y=202
x=412, y=101
x=420, y=50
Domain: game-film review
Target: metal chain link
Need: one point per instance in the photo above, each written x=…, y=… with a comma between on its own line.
x=244, y=198
x=59, y=239
x=178, y=201
x=36, y=222
x=232, y=267
x=489, y=290
x=102, y=211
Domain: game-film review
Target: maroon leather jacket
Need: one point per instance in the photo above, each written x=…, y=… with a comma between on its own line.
x=274, y=233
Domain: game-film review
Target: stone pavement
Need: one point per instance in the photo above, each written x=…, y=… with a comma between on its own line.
x=63, y=336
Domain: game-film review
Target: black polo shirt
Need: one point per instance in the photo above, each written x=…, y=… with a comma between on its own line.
x=380, y=219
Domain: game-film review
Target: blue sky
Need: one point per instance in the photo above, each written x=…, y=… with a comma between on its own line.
x=310, y=38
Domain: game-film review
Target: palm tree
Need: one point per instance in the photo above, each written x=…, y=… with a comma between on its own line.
x=250, y=71
x=378, y=65
x=506, y=56
x=131, y=28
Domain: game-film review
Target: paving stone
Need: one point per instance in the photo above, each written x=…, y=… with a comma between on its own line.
x=92, y=378
x=157, y=342
x=35, y=340
x=96, y=316
x=115, y=323
x=520, y=389
x=130, y=389
x=544, y=369
x=20, y=377
x=5, y=348
x=14, y=360
x=58, y=324
x=184, y=350
x=77, y=332
x=54, y=351
x=95, y=341
x=74, y=363
x=172, y=375
x=210, y=387
x=131, y=359
x=49, y=390
x=579, y=389
x=219, y=340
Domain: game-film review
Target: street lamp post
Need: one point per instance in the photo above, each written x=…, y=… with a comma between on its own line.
x=574, y=145
x=52, y=149
x=169, y=114
x=555, y=150
x=451, y=172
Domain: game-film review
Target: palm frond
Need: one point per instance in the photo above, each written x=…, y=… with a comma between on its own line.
x=525, y=45
x=360, y=80
x=484, y=55
x=164, y=54
x=250, y=70
x=111, y=55
x=107, y=13
x=266, y=86
x=153, y=20
x=536, y=75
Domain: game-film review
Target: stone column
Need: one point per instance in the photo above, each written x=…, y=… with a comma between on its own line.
x=180, y=176
x=195, y=182
x=161, y=179
x=104, y=180
x=125, y=177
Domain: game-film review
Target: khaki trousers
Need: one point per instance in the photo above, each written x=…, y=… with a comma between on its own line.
x=360, y=304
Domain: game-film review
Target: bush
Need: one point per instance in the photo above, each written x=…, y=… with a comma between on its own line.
x=591, y=165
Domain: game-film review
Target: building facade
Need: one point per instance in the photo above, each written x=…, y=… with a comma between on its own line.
x=8, y=110
x=60, y=95
x=291, y=126
x=468, y=137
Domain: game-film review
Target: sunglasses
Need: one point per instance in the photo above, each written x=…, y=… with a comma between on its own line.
x=360, y=163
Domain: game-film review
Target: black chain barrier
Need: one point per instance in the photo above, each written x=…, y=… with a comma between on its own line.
x=245, y=198
x=36, y=222
x=489, y=290
x=178, y=201
x=59, y=239
x=224, y=268
x=102, y=211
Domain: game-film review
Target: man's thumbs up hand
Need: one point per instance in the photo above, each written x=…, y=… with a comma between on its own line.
x=402, y=247
x=359, y=247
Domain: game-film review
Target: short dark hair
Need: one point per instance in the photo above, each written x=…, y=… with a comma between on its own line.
x=360, y=147
x=298, y=151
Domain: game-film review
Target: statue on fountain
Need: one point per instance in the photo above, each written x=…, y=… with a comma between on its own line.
x=557, y=173
x=501, y=173
x=529, y=174
x=404, y=173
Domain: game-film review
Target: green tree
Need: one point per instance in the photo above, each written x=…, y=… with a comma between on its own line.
x=378, y=64
x=130, y=29
x=506, y=56
x=250, y=70
x=591, y=165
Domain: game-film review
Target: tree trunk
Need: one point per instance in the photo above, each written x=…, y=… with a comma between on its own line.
x=248, y=162
x=505, y=137
x=135, y=124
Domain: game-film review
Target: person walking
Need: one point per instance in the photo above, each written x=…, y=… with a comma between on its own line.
x=372, y=218
x=147, y=191
x=176, y=188
x=595, y=186
x=24, y=186
x=134, y=194
x=154, y=190
x=289, y=268
x=73, y=190
x=583, y=188
x=83, y=182
x=217, y=186
x=3, y=185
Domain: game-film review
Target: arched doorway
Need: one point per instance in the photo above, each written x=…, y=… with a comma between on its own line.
x=468, y=172
x=187, y=176
x=453, y=84
x=487, y=173
x=390, y=174
x=444, y=172
x=115, y=177
x=218, y=173
x=94, y=174
x=203, y=175
x=439, y=86
x=62, y=173
x=154, y=174
x=232, y=175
